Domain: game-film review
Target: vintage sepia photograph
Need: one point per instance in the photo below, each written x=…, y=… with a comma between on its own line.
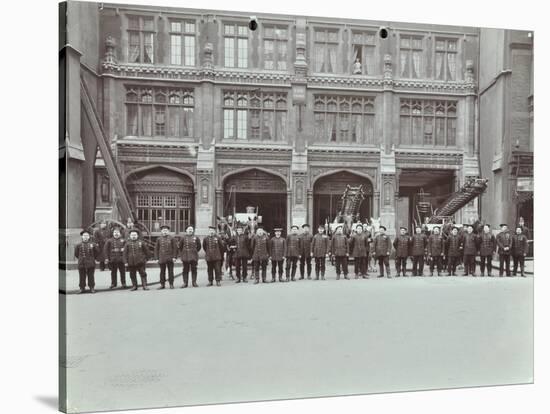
x=265, y=206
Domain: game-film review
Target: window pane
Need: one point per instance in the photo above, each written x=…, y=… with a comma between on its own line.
x=268, y=127
x=320, y=127
x=174, y=121
x=428, y=131
x=160, y=120
x=175, y=49
x=175, y=26
x=243, y=31
x=255, y=124
x=356, y=129
x=229, y=52
x=440, y=131
x=189, y=50
x=228, y=123
x=320, y=36
x=242, y=53
x=187, y=122
x=369, y=129
x=132, y=120
x=229, y=29
x=241, y=124
x=282, y=55
x=268, y=54
x=146, y=121
x=451, y=132
x=268, y=32
x=281, y=125
x=148, y=24
x=451, y=66
x=189, y=27
x=369, y=64
x=332, y=36
x=134, y=48
x=331, y=127
x=148, y=48
x=417, y=130
x=405, y=125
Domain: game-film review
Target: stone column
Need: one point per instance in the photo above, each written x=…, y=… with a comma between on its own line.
x=310, y=206
x=299, y=186
x=288, y=208
x=388, y=190
x=205, y=199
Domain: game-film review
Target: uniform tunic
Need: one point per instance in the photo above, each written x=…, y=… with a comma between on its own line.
x=242, y=243
x=382, y=245
x=135, y=253
x=213, y=247
x=487, y=244
x=435, y=245
x=86, y=253
x=339, y=245
x=189, y=247
x=114, y=250
x=260, y=248
x=306, y=240
x=293, y=245
x=359, y=245
x=166, y=249
x=504, y=242
x=402, y=245
x=277, y=246
x=454, y=244
x=320, y=245
x=470, y=244
x=520, y=245
x=418, y=244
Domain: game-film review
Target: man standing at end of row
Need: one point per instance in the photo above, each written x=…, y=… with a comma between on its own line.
x=520, y=247
x=86, y=254
x=320, y=250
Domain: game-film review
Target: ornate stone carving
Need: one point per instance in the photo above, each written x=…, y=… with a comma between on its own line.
x=208, y=61
x=110, y=53
x=469, y=72
x=388, y=73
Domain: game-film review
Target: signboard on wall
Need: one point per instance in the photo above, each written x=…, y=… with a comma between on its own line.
x=525, y=184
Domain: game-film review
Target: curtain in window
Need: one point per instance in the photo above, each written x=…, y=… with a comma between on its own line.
x=368, y=67
x=132, y=121
x=189, y=50
x=405, y=125
x=320, y=132
x=319, y=57
x=369, y=129
x=416, y=57
x=451, y=132
x=268, y=54
x=146, y=121
x=268, y=125
x=451, y=65
x=173, y=121
x=356, y=135
x=344, y=127
x=332, y=58
x=404, y=57
x=331, y=127
x=281, y=126
x=440, y=131
x=354, y=57
x=187, y=130
x=133, y=55
x=281, y=61
x=417, y=130
x=439, y=65
x=148, y=55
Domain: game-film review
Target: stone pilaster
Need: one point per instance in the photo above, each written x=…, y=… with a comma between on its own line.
x=388, y=190
x=206, y=192
x=299, y=202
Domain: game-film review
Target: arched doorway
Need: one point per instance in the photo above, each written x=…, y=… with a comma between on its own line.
x=162, y=196
x=328, y=191
x=259, y=189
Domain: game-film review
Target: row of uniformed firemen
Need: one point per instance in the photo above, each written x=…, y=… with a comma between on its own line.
x=440, y=250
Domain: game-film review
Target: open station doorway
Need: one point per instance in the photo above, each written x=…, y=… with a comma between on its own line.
x=265, y=192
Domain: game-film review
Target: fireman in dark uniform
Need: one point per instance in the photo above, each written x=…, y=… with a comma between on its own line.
x=419, y=244
x=214, y=248
x=470, y=244
x=504, y=243
x=241, y=255
x=86, y=253
x=260, y=254
x=277, y=248
x=520, y=247
x=320, y=249
x=359, y=250
x=382, y=250
x=189, y=247
x=305, y=254
x=402, y=245
x=166, y=252
x=113, y=253
x=100, y=237
x=135, y=256
x=487, y=247
x=454, y=250
x=292, y=252
x=339, y=248
x=436, y=250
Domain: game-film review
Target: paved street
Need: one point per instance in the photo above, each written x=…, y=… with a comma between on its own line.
x=288, y=340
